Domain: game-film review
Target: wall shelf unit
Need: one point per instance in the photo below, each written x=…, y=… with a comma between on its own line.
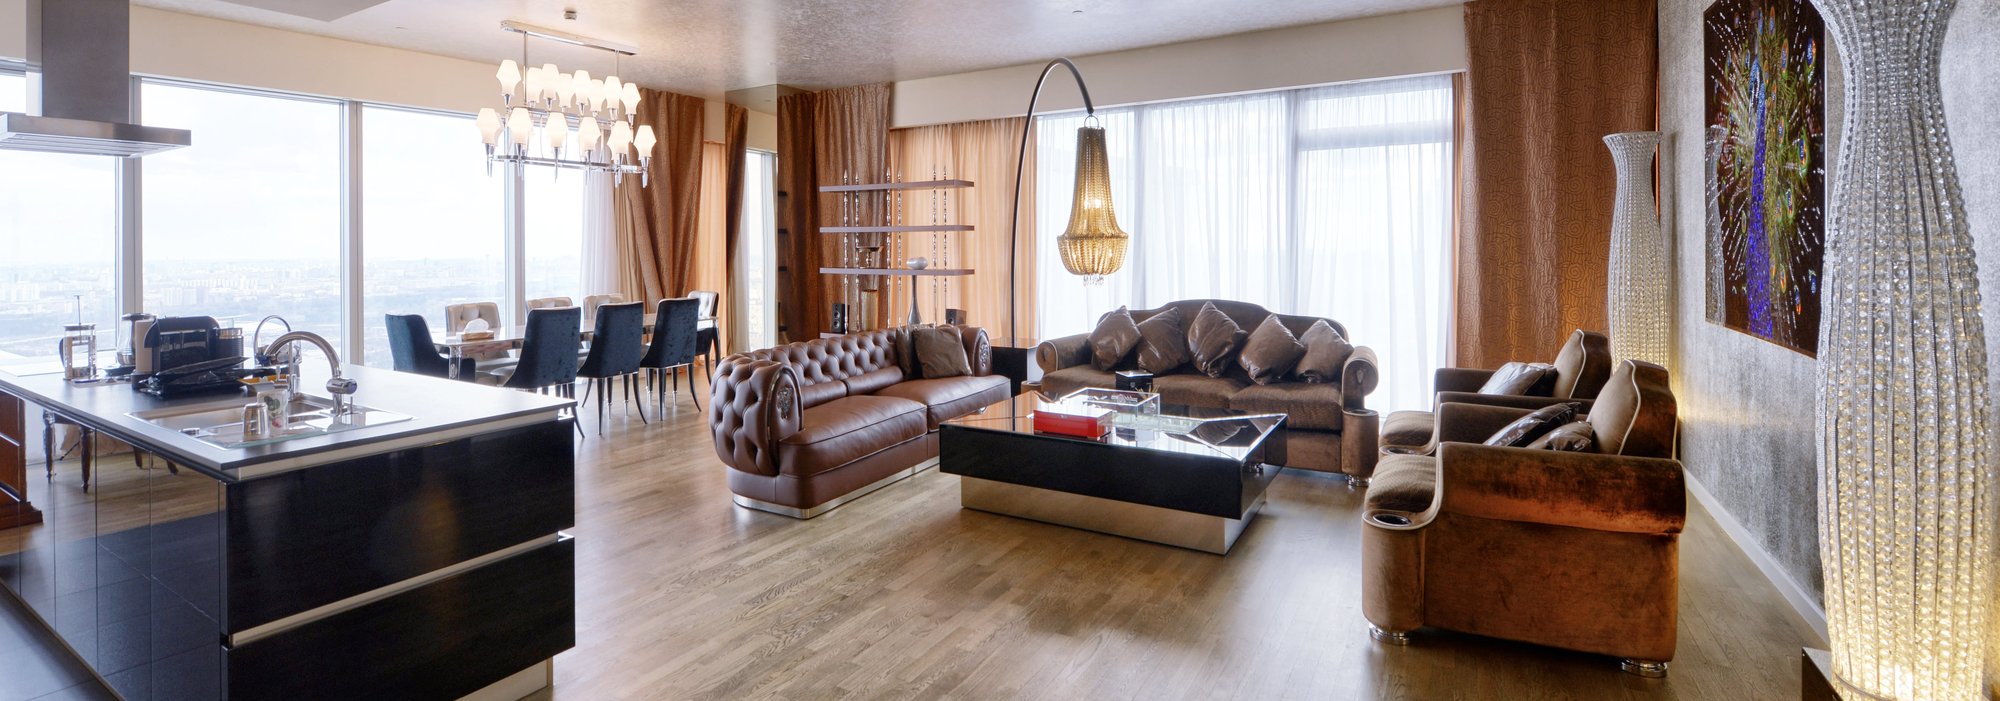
x=881, y=226
x=926, y=272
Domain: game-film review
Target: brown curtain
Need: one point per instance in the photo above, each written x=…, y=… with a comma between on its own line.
x=656, y=223
x=710, y=265
x=983, y=152
x=828, y=137
x=736, y=147
x=1547, y=80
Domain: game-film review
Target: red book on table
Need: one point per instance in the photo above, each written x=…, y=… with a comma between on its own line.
x=1072, y=419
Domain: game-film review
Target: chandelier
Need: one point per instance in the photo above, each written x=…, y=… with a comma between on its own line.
x=566, y=120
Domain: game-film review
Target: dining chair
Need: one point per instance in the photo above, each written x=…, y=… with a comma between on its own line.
x=706, y=341
x=673, y=350
x=85, y=448
x=549, y=302
x=592, y=302
x=411, y=349
x=548, y=354
x=456, y=316
x=616, y=346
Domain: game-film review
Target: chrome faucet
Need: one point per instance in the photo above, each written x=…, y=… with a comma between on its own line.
x=257, y=335
x=339, y=387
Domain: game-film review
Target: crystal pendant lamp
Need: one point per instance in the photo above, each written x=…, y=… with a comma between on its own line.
x=1906, y=478
x=1093, y=246
x=1639, y=300
x=604, y=112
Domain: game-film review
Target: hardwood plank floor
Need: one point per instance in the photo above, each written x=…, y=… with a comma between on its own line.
x=901, y=594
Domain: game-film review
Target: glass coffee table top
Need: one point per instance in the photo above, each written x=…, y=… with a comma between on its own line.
x=1175, y=428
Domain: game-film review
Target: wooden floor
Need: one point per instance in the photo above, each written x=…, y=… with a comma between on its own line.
x=901, y=594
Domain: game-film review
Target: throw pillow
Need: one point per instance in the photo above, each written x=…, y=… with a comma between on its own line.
x=1575, y=437
x=940, y=352
x=1326, y=352
x=1213, y=339
x=1526, y=429
x=1115, y=337
x=1270, y=352
x=1518, y=378
x=1162, y=342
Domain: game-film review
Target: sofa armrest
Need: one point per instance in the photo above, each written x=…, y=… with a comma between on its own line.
x=1517, y=401
x=1558, y=488
x=1068, y=351
x=1460, y=379
x=1473, y=423
x=1358, y=377
x=978, y=349
x=753, y=404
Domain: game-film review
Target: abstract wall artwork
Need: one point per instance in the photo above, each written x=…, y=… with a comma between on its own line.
x=1766, y=175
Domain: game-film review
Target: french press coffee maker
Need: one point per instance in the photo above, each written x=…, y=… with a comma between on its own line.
x=78, y=348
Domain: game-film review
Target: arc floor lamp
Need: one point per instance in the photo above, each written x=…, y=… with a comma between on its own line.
x=1092, y=246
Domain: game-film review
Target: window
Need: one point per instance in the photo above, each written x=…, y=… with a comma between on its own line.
x=756, y=293
x=246, y=221
x=58, y=235
x=1331, y=201
x=432, y=220
x=554, y=236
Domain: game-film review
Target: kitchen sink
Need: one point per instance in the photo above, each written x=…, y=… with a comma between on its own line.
x=220, y=423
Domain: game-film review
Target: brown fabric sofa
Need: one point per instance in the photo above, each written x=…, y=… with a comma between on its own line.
x=1329, y=429
x=804, y=427
x=1582, y=367
x=1576, y=550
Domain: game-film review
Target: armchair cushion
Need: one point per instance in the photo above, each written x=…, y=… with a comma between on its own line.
x=1326, y=351
x=948, y=398
x=1270, y=352
x=1403, y=483
x=1521, y=378
x=940, y=352
x=1528, y=428
x=1214, y=338
x=1115, y=337
x=1195, y=390
x=1575, y=437
x=1306, y=406
x=1163, y=343
x=846, y=429
x=1408, y=430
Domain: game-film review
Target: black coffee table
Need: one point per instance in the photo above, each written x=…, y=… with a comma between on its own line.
x=1188, y=477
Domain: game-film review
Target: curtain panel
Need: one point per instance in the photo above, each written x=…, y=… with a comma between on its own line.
x=985, y=153
x=710, y=268
x=656, y=223
x=1547, y=80
x=736, y=146
x=827, y=137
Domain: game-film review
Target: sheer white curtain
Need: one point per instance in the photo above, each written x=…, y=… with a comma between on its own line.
x=600, y=237
x=1331, y=201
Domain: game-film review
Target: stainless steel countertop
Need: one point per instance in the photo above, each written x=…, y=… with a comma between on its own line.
x=441, y=409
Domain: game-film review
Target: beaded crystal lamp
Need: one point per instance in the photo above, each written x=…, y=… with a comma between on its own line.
x=1906, y=478
x=1093, y=246
x=1638, y=302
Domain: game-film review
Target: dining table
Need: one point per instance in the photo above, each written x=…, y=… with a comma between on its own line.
x=457, y=347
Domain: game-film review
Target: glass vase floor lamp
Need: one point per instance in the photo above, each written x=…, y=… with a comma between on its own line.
x=1906, y=510
x=1092, y=246
x=1639, y=305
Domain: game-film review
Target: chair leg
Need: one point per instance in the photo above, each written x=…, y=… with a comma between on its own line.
x=586, y=389
x=89, y=451
x=634, y=394
x=693, y=393
x=49, y=447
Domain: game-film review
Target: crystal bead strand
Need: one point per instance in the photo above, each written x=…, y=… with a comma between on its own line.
x=1639, y=304
x=1905, y=503
x=1718, y=138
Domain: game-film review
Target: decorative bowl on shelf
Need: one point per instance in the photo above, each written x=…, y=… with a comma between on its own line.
x=918, y=263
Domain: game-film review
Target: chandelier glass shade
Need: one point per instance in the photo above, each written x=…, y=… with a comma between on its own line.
x=566, y=120
x=1092, y=246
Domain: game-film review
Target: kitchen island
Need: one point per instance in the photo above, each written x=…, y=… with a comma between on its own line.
x=421, y=558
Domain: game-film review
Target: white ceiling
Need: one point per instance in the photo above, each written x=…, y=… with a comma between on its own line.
x=712, y=46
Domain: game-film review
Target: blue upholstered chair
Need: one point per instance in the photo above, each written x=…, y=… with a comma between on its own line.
x=410, y=346
x=617, y=344
x=673, y=349
x=548, y=353
x=707, y=342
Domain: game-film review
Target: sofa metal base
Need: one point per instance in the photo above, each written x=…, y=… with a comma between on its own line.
x=1384, y=637
x=806, y=513
x=1356, y=482
x=1642, y=668
x=1211, y=534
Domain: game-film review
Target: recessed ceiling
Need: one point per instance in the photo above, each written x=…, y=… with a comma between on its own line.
x=708, y=47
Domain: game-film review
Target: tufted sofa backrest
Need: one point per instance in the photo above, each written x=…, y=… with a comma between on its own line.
x=824, y=361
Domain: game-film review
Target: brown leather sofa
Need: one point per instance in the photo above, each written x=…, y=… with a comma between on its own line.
x=1577, y=550
x=1328, y=429
x=807, y=426
x=1582, y=367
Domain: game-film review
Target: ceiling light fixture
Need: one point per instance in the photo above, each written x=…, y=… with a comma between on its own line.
x=544, y=97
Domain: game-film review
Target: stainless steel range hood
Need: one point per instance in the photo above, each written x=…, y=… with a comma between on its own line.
x=80, y=84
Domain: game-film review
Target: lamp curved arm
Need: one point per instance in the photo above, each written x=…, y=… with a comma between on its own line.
x=1020, y=165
